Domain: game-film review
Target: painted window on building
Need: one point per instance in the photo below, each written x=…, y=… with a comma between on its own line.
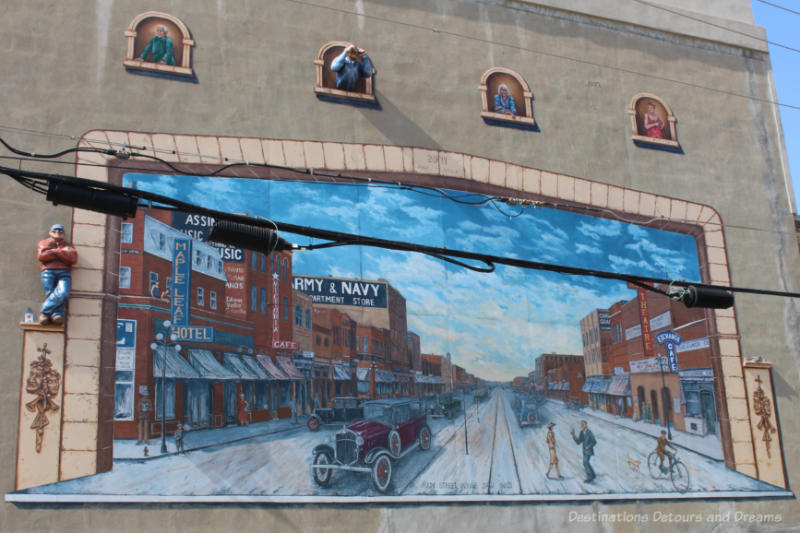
x=298, y=316
x=263, y=300
x=126, y=233
x=201, y=297
x=308, y=318
x=286, y=308
x=212, y=299
x=124, y=277
x=253, y=298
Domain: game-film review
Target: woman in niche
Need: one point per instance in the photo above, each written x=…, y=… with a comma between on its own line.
x=504, y=102
x=652, y=122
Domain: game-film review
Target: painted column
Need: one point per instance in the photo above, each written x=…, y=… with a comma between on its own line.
x=767, y=443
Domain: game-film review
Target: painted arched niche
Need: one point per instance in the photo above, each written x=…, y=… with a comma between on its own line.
x=142, y=29
x=647, y=129
x=325, y=85
x=518, y=89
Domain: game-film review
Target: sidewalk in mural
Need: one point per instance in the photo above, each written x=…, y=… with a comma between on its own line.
x=127, y=449
x=492, y=458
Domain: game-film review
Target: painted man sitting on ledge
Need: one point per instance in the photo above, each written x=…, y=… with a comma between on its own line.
x=57, y=257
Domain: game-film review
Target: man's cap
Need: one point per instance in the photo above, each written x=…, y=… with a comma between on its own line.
x=55, y=227
x=550, y=424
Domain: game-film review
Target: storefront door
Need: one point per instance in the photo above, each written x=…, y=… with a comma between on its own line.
x=709, y=411
x=230, y=403
x=197, y=399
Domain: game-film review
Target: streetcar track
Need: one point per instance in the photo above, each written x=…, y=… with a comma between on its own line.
x=435, y=455
x=511, y=444
x=494, y=438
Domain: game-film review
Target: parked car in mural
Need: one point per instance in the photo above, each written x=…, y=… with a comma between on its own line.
x=344, y=409
x=527, y=409
x=447, y=405
x=391, y=429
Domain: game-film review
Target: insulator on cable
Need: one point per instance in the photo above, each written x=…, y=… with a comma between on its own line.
x=245, y=236
x=99, y=200
x=712, y=298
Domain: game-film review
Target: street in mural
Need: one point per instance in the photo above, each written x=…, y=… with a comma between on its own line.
x=354, y=372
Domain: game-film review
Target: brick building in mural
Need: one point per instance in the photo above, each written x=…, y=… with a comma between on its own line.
x=560, y=376
x=229, y=348
x=634, y=384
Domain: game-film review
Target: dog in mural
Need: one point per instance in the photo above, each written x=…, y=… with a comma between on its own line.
x=633, y=464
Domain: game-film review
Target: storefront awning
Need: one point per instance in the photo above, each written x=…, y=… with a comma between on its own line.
x=620, y=386
x=565, y=385
x=402, y=378
x=204, y=362
x=234, y=364
x=341, y=373
x=251, y=363
x=588, y=384
x=602, y=385
x=177, y=366
x=274, y=372
x=384, y=376
x=289, y=369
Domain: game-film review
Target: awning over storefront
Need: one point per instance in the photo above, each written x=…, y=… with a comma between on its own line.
x=250, y=362
x=602, y=385
x=620, y=385
x=274, y=372
x=341, y=373
x=234, y=364
x=289, y=369
x=564, y=385
x=588, y=384
x=384, y=376
x=402, y=378
x=204, y=362
x=177, y=366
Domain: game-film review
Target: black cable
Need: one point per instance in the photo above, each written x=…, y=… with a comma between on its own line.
x=779, y=7
x=347, y=239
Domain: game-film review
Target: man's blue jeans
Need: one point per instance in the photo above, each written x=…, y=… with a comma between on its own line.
x=56, y=284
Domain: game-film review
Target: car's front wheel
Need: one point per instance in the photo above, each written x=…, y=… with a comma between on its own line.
x=322, y=476
x=382, y=473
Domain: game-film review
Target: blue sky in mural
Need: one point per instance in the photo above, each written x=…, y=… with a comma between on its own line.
x=492, y=324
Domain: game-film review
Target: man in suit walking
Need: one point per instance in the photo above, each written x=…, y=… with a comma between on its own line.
x=588, y=442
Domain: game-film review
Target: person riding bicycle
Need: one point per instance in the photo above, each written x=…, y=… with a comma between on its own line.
x=661, y=450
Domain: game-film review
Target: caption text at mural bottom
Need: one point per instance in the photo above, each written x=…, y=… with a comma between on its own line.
x=667, y=517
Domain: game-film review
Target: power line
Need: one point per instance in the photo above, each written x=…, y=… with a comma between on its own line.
x=679, y=14
x=353, y=181
x=37, y=181
x=649, y=75
x=779, y=7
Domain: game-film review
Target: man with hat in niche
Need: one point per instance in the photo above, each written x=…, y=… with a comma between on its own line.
x=57, y=257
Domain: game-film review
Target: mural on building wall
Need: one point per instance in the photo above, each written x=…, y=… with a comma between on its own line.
x=363, y=374
x=506, y=99
x=159, y=43
x=652, y=121
x=344, y=71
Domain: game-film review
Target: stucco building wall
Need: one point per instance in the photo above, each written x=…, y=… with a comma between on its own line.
x=254, y=80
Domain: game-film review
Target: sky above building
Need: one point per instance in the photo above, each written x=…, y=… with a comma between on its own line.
x=492, y=324
x=781, y=26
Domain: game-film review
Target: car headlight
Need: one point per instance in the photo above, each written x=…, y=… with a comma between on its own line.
x=359, y=440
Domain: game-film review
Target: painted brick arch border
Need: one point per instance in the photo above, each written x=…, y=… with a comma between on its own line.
x=89, y=340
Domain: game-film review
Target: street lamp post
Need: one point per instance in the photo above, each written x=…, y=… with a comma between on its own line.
x=662, y=360
x=165, y=344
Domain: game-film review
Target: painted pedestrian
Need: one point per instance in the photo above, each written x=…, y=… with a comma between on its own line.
x=179, y=434
x=145, y=408
x=587, y=441
x=551, y=445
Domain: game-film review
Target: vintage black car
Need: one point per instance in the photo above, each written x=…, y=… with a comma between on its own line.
x=390, y=430
x=447, y=405
x=343, y=410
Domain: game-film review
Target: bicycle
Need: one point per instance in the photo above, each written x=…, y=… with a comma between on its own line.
x=677, y=471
